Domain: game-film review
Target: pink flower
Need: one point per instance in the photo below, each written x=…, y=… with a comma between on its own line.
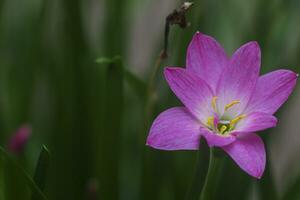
x=225, y=101
x=19, y=139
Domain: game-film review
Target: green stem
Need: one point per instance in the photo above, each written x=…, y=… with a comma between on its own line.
x=211, y=179
x=199, y=174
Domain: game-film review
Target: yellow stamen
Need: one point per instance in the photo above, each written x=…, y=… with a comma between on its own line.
x=210, y=122
x=223, y=129
x=214, y=103
x=236, y=120
x=231, y=104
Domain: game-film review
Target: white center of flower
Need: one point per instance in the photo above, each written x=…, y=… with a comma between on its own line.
x=219, y=124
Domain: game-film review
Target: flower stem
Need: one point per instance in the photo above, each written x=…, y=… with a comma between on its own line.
x=198, y=178
x=211, y=179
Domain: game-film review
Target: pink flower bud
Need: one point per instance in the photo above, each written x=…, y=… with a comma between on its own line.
x=19, y=139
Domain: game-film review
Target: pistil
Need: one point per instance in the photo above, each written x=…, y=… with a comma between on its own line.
x=222, y=126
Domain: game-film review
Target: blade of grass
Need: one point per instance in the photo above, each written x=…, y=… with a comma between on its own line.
x=1, y=177
x=41, y=170
x=108, y=139
x=15, y=184
x=34, y=188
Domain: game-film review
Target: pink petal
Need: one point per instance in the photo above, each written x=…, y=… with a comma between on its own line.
x=238, y=80
x=193, y=92
x=175, y=129
x=249, y=154
x=254, y=122
x=216, y=140
x=206, y=58
x=271, y=91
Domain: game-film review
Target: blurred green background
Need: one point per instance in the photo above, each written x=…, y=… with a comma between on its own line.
x=90, y=114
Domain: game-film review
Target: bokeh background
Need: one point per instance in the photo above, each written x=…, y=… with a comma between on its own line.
x=90, y=114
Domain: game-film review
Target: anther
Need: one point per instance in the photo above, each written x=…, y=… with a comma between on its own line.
x=236, y=120
x=231, y=104
x=214, y=103
x=210, y=122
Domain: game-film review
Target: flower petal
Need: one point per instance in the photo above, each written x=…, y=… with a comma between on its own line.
x=215, y=140
x=254, y=122
x=193, y=92
x=249, y=154
x=271, y=91
x=206, y=58
x=175, y=129
x=238, y=80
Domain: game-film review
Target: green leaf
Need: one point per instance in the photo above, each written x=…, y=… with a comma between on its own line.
x=34, y=188
x=107, y=139
x=15, y=184
x=41, y=170
x=104, y=60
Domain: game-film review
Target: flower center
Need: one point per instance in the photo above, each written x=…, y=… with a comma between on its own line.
x=220, y=125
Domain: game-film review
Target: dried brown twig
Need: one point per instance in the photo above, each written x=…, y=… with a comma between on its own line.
x=177, y=17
